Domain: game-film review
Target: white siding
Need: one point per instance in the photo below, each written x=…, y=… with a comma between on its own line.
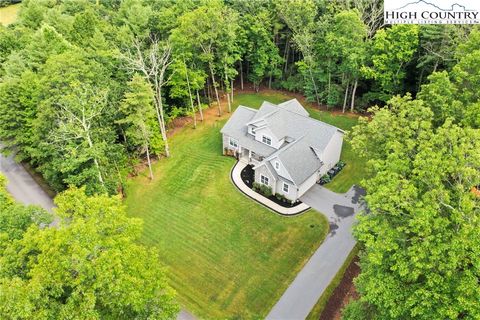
x=331, y=154
x=262, y=170
x=259, y=133
x=292, y=190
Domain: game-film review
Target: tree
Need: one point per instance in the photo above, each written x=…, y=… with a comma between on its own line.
x=15, y=218
x=300, y=18
x=439, y=94
x=346, y=41
x=391, y=50
x=153, y=64
x=261, y=53
x=210, y=32
x=90, y=266
x=421, y=246
x=139, y=118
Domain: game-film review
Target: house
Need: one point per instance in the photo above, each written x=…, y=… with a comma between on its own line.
x=288, y=150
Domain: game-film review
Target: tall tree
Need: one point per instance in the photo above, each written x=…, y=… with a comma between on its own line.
x=90, y=266
x=139, y=119
x=300, y=16
x=391, y=50
x=346, y=41
x=421, y=247
x=153, y=63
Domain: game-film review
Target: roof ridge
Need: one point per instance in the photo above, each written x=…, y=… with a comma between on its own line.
x=248, y=108
x=315, y=120
x=286, y=147
x=263, y=117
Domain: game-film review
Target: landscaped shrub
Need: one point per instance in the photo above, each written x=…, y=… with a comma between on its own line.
x=282, y=198
x=262, y=189
x=325, y=179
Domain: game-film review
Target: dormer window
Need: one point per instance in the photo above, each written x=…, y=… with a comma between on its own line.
x=267, y=140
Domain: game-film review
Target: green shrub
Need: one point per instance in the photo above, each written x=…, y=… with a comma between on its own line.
x=326, y=178
x=357, y=310
x=262, y=189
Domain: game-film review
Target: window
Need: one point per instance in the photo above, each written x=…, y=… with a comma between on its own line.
x=264, y=180
x=266, y=140
x=277, y=165
x=285, y=187
x=233, y=143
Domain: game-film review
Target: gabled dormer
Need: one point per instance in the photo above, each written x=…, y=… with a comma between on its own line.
x=280, y=168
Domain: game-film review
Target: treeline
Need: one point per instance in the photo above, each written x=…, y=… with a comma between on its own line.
x=420, y=245
x=88, y=87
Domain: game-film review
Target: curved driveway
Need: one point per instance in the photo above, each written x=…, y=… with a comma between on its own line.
x=310, y=283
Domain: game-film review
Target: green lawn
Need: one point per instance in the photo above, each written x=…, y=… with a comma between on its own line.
x=8, y=14
x=227, y=256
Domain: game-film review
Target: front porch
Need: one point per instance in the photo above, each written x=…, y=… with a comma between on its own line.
x=236, y=176
x=249, y=157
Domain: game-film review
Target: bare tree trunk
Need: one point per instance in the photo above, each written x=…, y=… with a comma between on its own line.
x=209, y=91
x=314, y=86
x=226, y=91
x=241, y=75
x=95, y=160
x=194, y=114
x=286, y=55
x=199, y=106
x=161, y=119
x=216, y=91
x=270, y=82
x=345, y=98
x=352, y=105
x=145, y=139
x=149, y=162
x=231, y=88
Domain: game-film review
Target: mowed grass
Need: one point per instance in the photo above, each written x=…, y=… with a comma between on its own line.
x=227, y=256
x=8, y=14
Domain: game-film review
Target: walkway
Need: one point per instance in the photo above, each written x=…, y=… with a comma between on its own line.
x=26, y=190
x=238, y=182
x=310, y=283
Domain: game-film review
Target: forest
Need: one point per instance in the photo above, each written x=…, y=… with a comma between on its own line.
x=89, y=90
x=79, y=77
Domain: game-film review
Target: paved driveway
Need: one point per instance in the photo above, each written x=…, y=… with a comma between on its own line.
x=310, y=283
x=22, y=186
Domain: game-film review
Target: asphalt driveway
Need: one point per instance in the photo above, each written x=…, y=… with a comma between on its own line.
x=310, y=283
x=22, y=186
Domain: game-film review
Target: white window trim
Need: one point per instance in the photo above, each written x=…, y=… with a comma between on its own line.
x=267, y=137
x=232, y=143
x=286, y=185
x=264, y=178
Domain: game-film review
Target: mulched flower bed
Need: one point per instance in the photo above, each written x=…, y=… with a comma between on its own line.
x=248, y=177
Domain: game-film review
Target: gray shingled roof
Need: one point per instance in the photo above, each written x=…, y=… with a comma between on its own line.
x=236, y=128
x=287, y=120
